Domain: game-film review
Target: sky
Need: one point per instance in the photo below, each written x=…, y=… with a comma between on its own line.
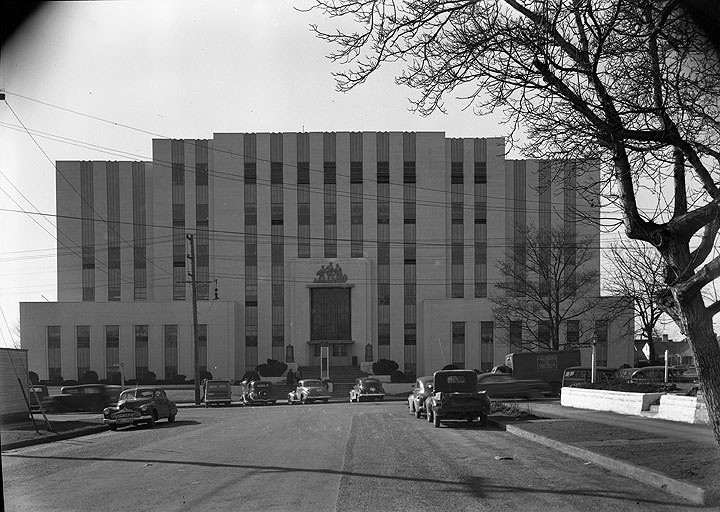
x=99, y=80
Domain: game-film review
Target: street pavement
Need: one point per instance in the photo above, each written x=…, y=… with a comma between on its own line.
x=625, y=445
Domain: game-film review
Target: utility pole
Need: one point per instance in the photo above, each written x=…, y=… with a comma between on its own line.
x=195, y=318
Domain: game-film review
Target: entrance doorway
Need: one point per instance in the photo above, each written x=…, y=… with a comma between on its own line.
x=330, y=324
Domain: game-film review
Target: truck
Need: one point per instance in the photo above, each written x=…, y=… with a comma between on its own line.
x=546, y=366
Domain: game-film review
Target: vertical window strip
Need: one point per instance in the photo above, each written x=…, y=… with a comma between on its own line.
x=356, y=209
x=545, y=222
x=112, y=186
x=458, y=344
x=87, y=228
x=277, y=248
x=457, y=216
x=171, y=351
x=202, y=348
x=570, y=221
x=178, y=220
x=202, y=220
x=83, y=350
x=330, y=195
x=250, y=238
x=112, y=352
x=54, y=352
x=409, y=247
x=141, y=352
x=139, y=232
x=519, y=220
x=480, y=245
x=487, y=346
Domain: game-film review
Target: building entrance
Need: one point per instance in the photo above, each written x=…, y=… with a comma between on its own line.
x=330, y=324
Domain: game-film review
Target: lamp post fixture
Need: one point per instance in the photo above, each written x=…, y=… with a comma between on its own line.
x=593, y=362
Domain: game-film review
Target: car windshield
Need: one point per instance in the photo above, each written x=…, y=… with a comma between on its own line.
x=216, y=386
x=371, y=382
x=312, y=383
x=136, y=393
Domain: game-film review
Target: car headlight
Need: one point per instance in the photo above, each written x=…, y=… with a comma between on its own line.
x=106, y=411
x=144, y=408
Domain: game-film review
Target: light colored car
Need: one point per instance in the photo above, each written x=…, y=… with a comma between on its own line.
x=367, y=388
x=140, y=405
x=258, y=392
x=308, y=391
x=421, y=390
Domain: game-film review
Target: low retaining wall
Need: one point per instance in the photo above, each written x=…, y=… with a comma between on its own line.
x=688, y=409
x=602, y=400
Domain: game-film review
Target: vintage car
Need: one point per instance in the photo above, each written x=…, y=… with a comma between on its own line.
x=307, y=391
x=367, y=388
x=504, y=385
x=456, y=397
x=583, y=374
x=420, y=391
x=215, y=392
x=83, y=397
x=140, y=405
x=258, y=392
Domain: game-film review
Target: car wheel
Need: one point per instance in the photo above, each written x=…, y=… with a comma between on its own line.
x=171, y=418
x=483, y=420
x=411, y=406
x=436, y=420
x=113, y=427
x=326, y=400
x=429, y=415
x=417, y=413
x=151, y=421
x=303, y=399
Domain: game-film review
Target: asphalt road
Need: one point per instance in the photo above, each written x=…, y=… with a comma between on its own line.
x=340, y=456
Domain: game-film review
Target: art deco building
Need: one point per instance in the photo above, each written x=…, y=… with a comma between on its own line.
x=374, y=244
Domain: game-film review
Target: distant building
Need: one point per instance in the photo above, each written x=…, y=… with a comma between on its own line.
x=679, y=352
x=374, y=244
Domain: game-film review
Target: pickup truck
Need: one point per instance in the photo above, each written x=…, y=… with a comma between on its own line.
x=456, y=397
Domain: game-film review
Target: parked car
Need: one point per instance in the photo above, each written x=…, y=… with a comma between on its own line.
x=688, y=374
x=216, y=392
x=456, y=397
x=367, y=388
x=308, y=391
x=504, y=385
x=258, y=392
x=582, y=374
x=140, y=405
x=646, y=375
x=36, y=395
x=84, y=397
x=420, y=391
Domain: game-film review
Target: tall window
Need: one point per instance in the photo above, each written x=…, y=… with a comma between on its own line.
x=178, y=218
x=277, y=247
x=83, y=350
x=171, y=351
x=87, y=227
x=458, y=344
x=303, y=194
x=570, y=223
x=139, y=231
x=457, y=215
x=601, y=342
x=54, y=352
x=112, y=351
x=251, y=262
x=409, y=254
x=330, y=195
x=573, y=334
x=202, y=233
x=383, y=244
x=543, y=335
x=112, y=172
x=356, y=196
x=202, y=347
x=519, y=222
x=480, y=179
x=487, y=346
x=515, y=332
x=141, y=352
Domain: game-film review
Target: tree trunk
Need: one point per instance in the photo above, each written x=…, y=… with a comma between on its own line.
x=703, y=341
x=652, y=353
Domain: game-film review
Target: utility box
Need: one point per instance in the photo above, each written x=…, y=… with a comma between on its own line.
x=545, y=366
x=13, y=366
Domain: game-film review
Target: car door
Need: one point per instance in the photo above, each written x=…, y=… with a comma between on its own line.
x=161, y=403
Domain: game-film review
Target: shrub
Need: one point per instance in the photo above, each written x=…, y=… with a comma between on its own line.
x=147, y=378
x=205, y=375
x=272, y=368
x=34, y=379
x=450, y=367
x=627, y=387
x=251, y=375
x=89, y=377
x=397, y=376
x=71, y=382
x=176, y=379
x=384, y=367
x=57, y=380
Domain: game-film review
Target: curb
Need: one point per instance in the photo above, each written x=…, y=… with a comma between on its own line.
x=690, y=492
x=70, y=434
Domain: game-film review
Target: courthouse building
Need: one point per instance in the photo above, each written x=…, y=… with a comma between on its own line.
x=373, y=244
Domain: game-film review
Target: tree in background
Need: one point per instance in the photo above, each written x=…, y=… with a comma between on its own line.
x=550, y=285
x=634, y=85
x=636, y=272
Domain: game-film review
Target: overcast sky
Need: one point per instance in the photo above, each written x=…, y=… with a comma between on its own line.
x=99, y=80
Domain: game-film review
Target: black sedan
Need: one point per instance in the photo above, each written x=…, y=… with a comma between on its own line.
x=140, y=405
x=502, y=385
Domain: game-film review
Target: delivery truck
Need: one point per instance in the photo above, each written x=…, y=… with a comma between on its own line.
x=545, y=366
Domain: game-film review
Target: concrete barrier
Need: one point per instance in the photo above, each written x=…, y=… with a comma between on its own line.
x=603, y=400
x=687, y=409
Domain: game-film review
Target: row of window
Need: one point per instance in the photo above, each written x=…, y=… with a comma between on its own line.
x=111, y=343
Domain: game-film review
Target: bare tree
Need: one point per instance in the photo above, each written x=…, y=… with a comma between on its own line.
x=634, y=84
x=636, y=272
x=548, y=286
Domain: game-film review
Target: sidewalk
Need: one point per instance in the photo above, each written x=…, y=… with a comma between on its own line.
x=680, y=459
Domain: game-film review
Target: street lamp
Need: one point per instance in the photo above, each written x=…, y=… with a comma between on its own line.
x=593, y=361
